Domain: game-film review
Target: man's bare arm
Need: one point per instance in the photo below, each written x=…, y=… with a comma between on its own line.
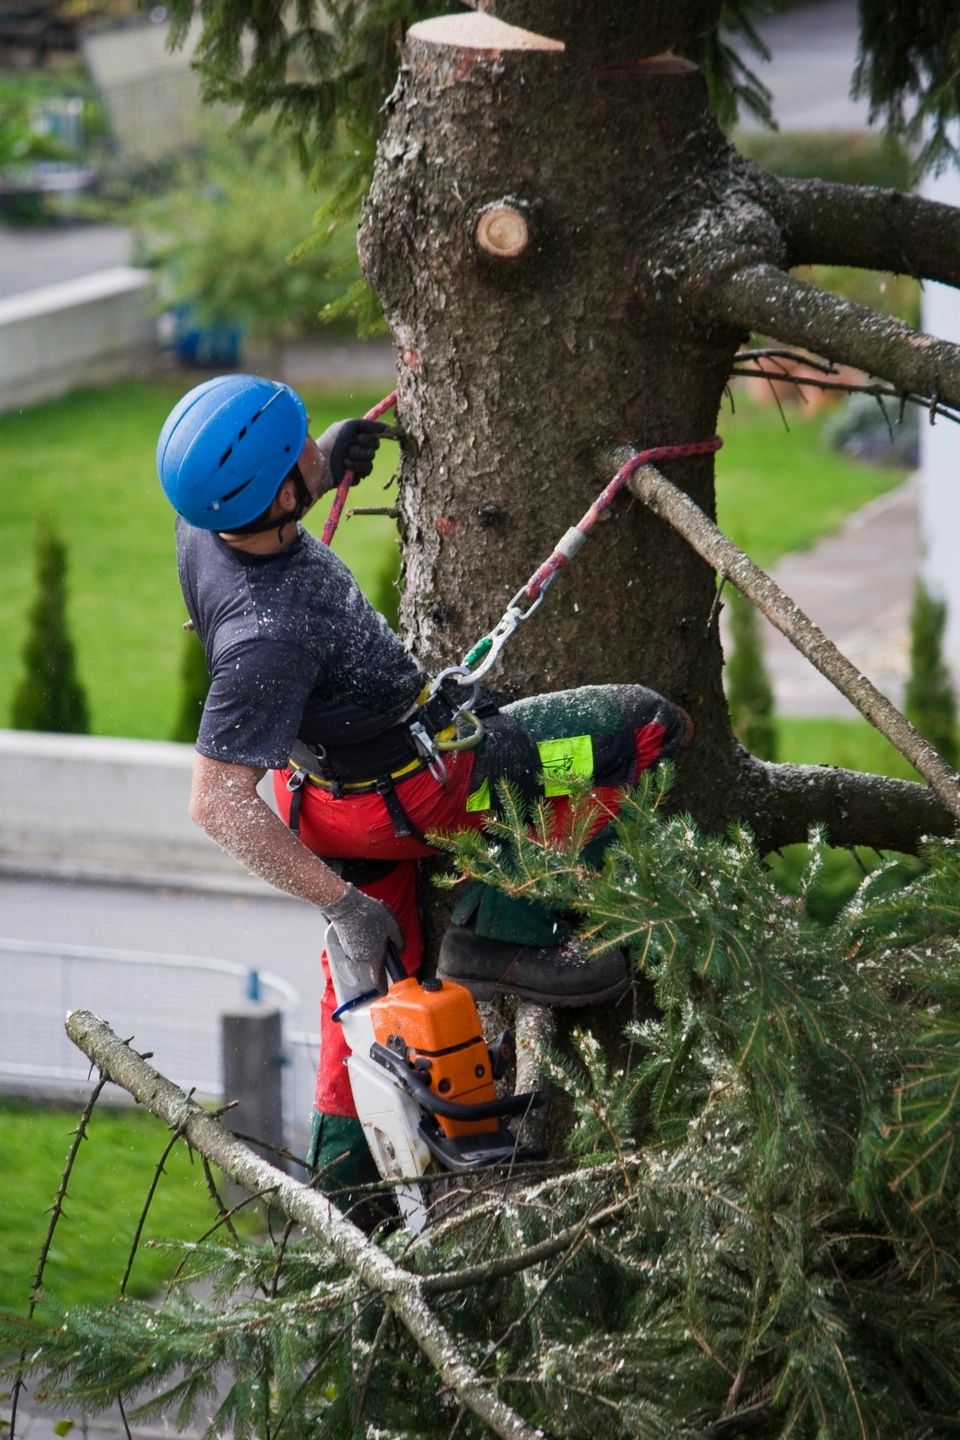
x=224, y=802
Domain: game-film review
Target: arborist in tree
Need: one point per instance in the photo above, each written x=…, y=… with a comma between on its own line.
x=308, y=681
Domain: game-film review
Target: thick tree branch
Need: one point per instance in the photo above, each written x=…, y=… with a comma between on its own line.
x=780, y=804
x=672, y=505
x=830, y=224
x=764, y=299
x=401, y=1291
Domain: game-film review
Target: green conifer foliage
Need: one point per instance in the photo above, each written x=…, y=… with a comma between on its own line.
x=754, y=1232
x=749, y=692
x=50, y=695
x=930, y=702
x=194, y=684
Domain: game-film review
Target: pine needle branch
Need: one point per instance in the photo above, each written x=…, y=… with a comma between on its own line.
x=56, y=1212
x=373, y=1268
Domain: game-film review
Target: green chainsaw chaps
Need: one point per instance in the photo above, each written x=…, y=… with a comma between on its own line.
x=563, y=725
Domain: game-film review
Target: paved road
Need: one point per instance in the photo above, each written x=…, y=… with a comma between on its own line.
x=33, y=258
x=280, y=935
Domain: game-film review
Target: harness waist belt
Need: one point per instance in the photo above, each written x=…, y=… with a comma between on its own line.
x=391, y=753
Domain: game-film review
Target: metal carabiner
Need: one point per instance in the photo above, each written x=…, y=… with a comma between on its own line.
x=487, y=650
x=534, y=605
x=463, y=677
x=468, y=741
x=428, y=750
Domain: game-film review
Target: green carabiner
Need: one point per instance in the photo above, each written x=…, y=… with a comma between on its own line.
x=481, y=648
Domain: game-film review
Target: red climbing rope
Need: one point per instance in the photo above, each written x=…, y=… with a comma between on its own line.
x=343, y=489
x=484, y=654
x=576, y=535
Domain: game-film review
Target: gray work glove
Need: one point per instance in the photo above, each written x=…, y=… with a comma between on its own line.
x=364, y=926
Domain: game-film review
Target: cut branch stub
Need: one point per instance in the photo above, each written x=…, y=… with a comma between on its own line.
x=502, y=229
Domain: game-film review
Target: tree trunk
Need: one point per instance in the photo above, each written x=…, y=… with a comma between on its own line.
x=520, y=374
x=548, y=222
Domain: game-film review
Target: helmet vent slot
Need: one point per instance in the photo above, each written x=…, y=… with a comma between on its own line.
x=232, y=494
x=226, y=456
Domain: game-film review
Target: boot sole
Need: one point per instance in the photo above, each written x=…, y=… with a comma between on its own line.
x=490, y=990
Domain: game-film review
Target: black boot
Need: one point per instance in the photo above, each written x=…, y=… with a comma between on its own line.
x=554, y=975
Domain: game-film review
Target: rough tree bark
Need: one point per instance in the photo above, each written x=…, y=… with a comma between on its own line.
x=569, y=254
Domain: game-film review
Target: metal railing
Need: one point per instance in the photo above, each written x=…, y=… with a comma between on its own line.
x=170, y=1005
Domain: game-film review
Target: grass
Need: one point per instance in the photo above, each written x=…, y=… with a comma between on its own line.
x=849, y=744
x=85, y=464
x=781, y=490
x=113, y=1171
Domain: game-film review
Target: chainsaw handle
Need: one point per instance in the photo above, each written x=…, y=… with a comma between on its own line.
x=393, y=963
x=451, y=1109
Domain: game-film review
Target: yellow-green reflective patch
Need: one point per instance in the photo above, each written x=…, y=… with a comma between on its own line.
x=560, y=760
x=565, y=760
x=479, y=799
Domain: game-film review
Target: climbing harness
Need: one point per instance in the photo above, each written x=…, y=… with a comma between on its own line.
x=482, y=656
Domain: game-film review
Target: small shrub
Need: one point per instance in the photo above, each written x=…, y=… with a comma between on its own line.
x=50, y=695
x=864, y=431
x=194, y=684
x=749, y=692
x=930, y=702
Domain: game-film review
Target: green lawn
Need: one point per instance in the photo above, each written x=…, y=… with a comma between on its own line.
x=110, y=1179
x=780, y=490
x=86, y=465
x=850, y=744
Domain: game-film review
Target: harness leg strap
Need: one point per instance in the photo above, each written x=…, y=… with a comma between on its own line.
x=403, y=826
x=295, y=785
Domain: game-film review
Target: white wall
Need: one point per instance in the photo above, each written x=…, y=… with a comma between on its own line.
x=940, y=452
x=78, y=332
x=151, y=93
x=90, y=807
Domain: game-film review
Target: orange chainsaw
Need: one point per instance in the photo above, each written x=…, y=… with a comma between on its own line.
x=423, y=1077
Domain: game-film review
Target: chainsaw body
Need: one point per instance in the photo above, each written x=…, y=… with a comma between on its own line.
x=423, y=1079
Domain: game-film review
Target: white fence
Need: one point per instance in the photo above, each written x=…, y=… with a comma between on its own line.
x=170, y=1005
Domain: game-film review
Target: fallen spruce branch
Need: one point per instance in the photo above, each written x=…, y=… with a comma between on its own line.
x=401, y=1291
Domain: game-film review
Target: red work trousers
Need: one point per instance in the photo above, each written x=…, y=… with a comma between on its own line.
x=359, y=827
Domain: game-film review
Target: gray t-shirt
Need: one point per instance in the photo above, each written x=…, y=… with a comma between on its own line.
x=293, y=648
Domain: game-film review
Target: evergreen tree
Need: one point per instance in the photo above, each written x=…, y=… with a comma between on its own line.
x=50, y=695
x=749, y=692
x=475, y=251
x=930, y=702
x=194, y=684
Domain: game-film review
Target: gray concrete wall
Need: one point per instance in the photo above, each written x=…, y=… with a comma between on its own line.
x=79, y=332
x=91, y=807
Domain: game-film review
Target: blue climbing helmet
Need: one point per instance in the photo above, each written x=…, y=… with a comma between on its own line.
x=226, y=447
